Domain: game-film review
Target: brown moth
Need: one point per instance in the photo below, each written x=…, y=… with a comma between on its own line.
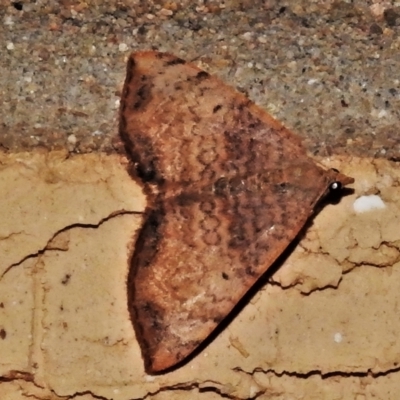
x=228, y=189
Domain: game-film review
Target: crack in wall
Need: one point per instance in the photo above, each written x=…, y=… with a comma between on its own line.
x=35, y=374
x=330, y=374
x=388, y=366
x=47, y=247
x=201, y=387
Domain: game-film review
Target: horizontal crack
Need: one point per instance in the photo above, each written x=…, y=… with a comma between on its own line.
x=202, y=387
x=306, y=375
x=64, y=229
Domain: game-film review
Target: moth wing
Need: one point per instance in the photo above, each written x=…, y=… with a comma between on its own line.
x=234, y=188
x=182, y=126
x=197, y=255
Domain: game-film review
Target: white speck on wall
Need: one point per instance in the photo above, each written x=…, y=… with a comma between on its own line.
x=248, y=36
x=337, y=337
x=72, y=139
x=262, y=39
x=253, y=391
x=368, y=203
x=382, y=114
x=122, y=47
x=8, y=20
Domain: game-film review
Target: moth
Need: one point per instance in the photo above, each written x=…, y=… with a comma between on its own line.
x=228, y=189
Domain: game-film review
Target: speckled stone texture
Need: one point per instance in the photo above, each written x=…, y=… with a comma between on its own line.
x=324, y=326
x=327, y=69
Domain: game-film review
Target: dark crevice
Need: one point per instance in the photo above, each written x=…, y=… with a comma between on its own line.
x=64, y=229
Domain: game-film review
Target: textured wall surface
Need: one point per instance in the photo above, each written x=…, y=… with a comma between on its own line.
x=327, y=69
x=324, y=325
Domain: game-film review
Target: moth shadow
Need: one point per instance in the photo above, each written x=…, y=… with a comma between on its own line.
x=334, y=198
x=331, y=198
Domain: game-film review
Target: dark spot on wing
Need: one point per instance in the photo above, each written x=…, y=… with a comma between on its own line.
x=202, y=75
x=143, y=96
x=217, y=108
x=174, y=61
x=149, y=237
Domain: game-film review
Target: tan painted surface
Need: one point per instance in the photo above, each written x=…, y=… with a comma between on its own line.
x=324, y=327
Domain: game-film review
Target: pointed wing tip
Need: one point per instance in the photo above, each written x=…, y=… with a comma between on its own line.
x=167, y=355
x=344, y=179
x=336, y=176
x=160, y=361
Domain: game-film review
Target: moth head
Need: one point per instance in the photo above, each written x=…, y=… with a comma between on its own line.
x=337, y=182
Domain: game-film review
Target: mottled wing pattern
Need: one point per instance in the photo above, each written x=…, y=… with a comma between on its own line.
x=183, y=126
x=196, y=257
x=233, y=189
